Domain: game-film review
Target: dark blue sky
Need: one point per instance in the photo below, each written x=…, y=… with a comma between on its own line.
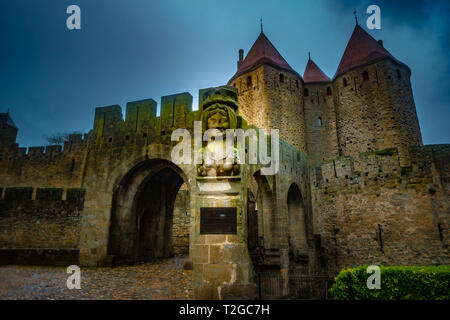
x=52, y=78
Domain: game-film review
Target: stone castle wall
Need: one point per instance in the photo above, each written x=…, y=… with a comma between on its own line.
x=376, y=112
x=320, y=118
x=92, y=163
x=41, y=166
x=41, y=203
x=141, y=126
x=181, y=221
x=253, y=99
x=117, y=147
x=384, y=213
x=40, y=218
x=370, y=108
x=273, y=101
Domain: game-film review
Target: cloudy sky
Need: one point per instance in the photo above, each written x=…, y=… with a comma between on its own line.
x=53, y=78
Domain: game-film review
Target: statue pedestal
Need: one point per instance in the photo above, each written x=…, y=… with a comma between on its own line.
x=222, y=265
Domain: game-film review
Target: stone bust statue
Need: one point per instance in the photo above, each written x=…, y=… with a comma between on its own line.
x=218, y=160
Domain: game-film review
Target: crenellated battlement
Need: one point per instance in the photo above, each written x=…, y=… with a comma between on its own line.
x=141, y=127
x=141, y=124
x=42, y=153
x=19, y=196
x=49, y=216
x=384, y=213
x=428, y=172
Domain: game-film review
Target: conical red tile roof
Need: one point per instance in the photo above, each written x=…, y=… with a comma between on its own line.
x=361, y=49
x=262, y=52
x=314, y=74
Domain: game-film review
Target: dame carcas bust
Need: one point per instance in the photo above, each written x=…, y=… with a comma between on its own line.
x=218, y=116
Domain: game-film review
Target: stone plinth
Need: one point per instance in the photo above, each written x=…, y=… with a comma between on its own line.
x=222, y=265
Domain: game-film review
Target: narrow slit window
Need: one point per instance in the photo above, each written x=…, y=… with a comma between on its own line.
x=380, y=237
x=329, y=92
x=249, y=81
x=399, y=75
x=365, y=75
x=319, y=121
x=441, y=235
x=281, y=76
x=306, y=92
x=345, y=82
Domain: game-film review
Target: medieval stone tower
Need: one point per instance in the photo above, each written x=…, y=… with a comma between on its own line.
x=367, y=105
x=270, y=92
x=375, y=107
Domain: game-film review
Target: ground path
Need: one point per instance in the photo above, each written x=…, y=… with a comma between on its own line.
x=162, y=279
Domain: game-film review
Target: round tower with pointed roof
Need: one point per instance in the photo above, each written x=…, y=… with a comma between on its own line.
x=375, y=108
x=320, y=116
x=270, y=92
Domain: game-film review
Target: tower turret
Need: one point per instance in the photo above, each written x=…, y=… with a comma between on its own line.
x=241, y=57
x=375, y=107
x=8, y=131
x=269, y=92
x=320, y=116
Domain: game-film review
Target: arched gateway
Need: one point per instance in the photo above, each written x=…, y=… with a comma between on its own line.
x=230, y=217
x=142, y=212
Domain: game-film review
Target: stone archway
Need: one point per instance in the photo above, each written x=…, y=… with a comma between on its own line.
x=298, y=245
x=252, y=224
x=142, y=213
x=296, y=222
x=268, y=225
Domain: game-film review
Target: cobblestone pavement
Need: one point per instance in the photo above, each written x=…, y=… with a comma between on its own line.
x=163, y=279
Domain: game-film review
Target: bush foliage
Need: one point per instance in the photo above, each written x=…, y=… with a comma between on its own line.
x=397, y=283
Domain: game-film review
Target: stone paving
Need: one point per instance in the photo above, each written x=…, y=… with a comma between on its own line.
x=162, y=279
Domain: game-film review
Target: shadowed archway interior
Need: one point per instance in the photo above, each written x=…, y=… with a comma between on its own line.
x=143, y=212
x=268, y=227
x=298, y=246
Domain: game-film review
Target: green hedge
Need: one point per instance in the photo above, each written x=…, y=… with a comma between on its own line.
x=397, y=283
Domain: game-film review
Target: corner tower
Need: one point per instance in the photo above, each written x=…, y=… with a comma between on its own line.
x=375, y=107
x=8, y=131
x=320, y=116
x=269, y=92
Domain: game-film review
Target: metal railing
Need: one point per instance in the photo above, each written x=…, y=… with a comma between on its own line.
x=300, y=287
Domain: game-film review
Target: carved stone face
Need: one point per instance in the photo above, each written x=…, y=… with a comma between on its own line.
x=217, y=159
x=220, y=117
x=219, y=120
